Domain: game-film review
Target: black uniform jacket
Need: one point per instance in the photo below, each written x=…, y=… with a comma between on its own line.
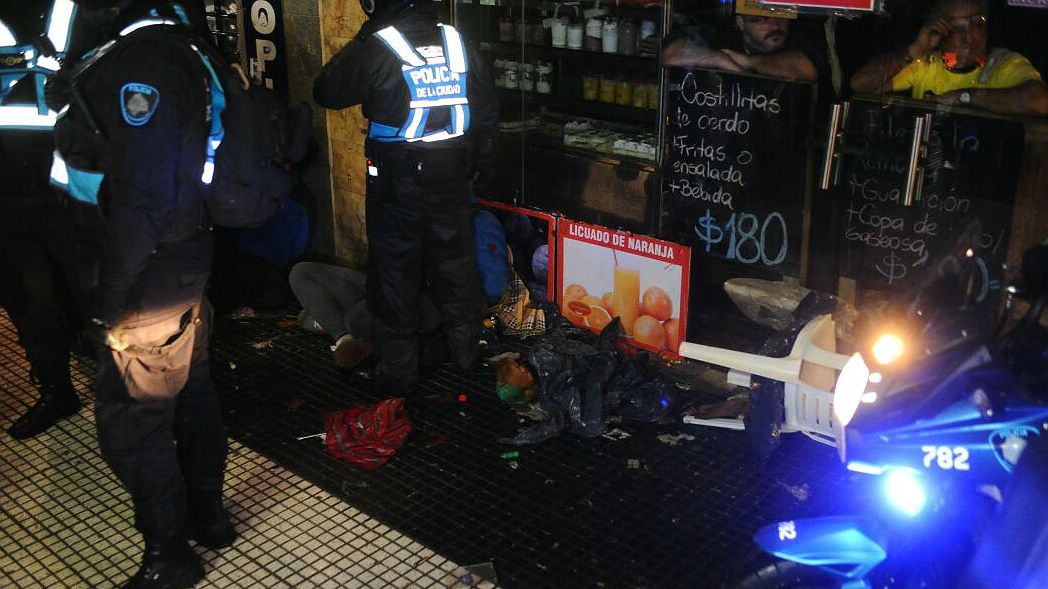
x=367, y=72
x=151, y=199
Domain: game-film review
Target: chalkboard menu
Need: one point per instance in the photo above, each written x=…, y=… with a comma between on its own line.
x=733, y=181
x=968, y=168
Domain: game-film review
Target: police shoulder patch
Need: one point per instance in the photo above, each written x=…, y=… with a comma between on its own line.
x=138, y=103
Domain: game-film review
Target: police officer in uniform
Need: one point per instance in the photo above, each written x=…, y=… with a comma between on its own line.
x=134, y=144
x=433, y=122
x=41, y=281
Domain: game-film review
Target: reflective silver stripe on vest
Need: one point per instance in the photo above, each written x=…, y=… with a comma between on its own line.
x=392, y=37
x=59, y=29
x=60, y=24
x=456, y=52
x=7, y=38
x=21, y=116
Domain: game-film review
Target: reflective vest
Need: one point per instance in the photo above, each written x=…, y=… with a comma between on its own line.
x=433, y=82
x=84, y=185
x=20, y=61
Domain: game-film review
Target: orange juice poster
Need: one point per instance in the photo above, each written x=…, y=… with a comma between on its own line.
x=603, y=273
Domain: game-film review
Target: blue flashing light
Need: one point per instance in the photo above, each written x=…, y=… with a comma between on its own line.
x=664, y=402
x=904, y=491
x=866, y=467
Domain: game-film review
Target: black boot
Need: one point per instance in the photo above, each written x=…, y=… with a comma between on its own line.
x=167, y=564
x=208, y=521
x=57, y=401
x=463, y=345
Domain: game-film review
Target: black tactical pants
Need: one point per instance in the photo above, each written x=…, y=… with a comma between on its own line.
x=163, y=451
x=420, y=235
x=43, y=285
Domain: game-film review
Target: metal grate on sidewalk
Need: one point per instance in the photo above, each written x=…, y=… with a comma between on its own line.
x=570, y=512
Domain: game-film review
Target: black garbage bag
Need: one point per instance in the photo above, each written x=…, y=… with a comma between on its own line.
x=636, y=393
x=581, y=383
x=766, y=412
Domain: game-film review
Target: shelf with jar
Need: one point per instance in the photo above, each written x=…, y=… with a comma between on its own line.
x=615, y=143
x=596, y=91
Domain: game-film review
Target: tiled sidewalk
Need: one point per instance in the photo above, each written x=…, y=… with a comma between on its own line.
x=65, y=521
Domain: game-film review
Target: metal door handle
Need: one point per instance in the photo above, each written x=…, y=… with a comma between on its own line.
x=914, y=172
x=833, y=139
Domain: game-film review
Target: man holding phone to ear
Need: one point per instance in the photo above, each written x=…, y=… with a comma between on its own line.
x=949, y=63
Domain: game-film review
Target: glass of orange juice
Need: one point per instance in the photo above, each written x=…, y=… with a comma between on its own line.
x=627, y=296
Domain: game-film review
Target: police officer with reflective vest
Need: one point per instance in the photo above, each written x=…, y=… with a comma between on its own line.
x=134, y=144
x=433, y=121
x=41, y=279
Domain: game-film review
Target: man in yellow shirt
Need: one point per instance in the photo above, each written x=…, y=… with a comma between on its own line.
x=949, y=63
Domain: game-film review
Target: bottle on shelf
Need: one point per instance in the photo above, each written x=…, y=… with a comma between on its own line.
x=527, y=77
x=608, y=87
x=624, y=91
x=594, y=30
x=543, y=77
x=591, y=87
x=610, y=35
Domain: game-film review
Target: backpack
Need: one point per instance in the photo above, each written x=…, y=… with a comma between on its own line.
x=260, y=140
x=254, y=138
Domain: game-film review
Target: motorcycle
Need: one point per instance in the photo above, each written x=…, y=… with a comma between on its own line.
x=937, y=410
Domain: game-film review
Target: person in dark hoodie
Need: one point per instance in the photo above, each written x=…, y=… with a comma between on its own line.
x=133, y=145
x=434, y=122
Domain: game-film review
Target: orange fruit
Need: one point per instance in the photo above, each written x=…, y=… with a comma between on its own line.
x=598, y=318
x=672, y=329
x=608, y=300
x=576, y=313
x=657, y=303
x=647, y=330
x=574, y=292
x=591, y=301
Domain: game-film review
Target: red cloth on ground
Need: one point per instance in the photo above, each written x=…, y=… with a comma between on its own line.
x=367, y=437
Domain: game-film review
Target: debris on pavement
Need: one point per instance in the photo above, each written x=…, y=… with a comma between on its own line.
x=675, y=439
x=800, y=492
x=514, y=382
x=474, y=576
x=581, y=384
x=367, y=437
x=616, y=434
